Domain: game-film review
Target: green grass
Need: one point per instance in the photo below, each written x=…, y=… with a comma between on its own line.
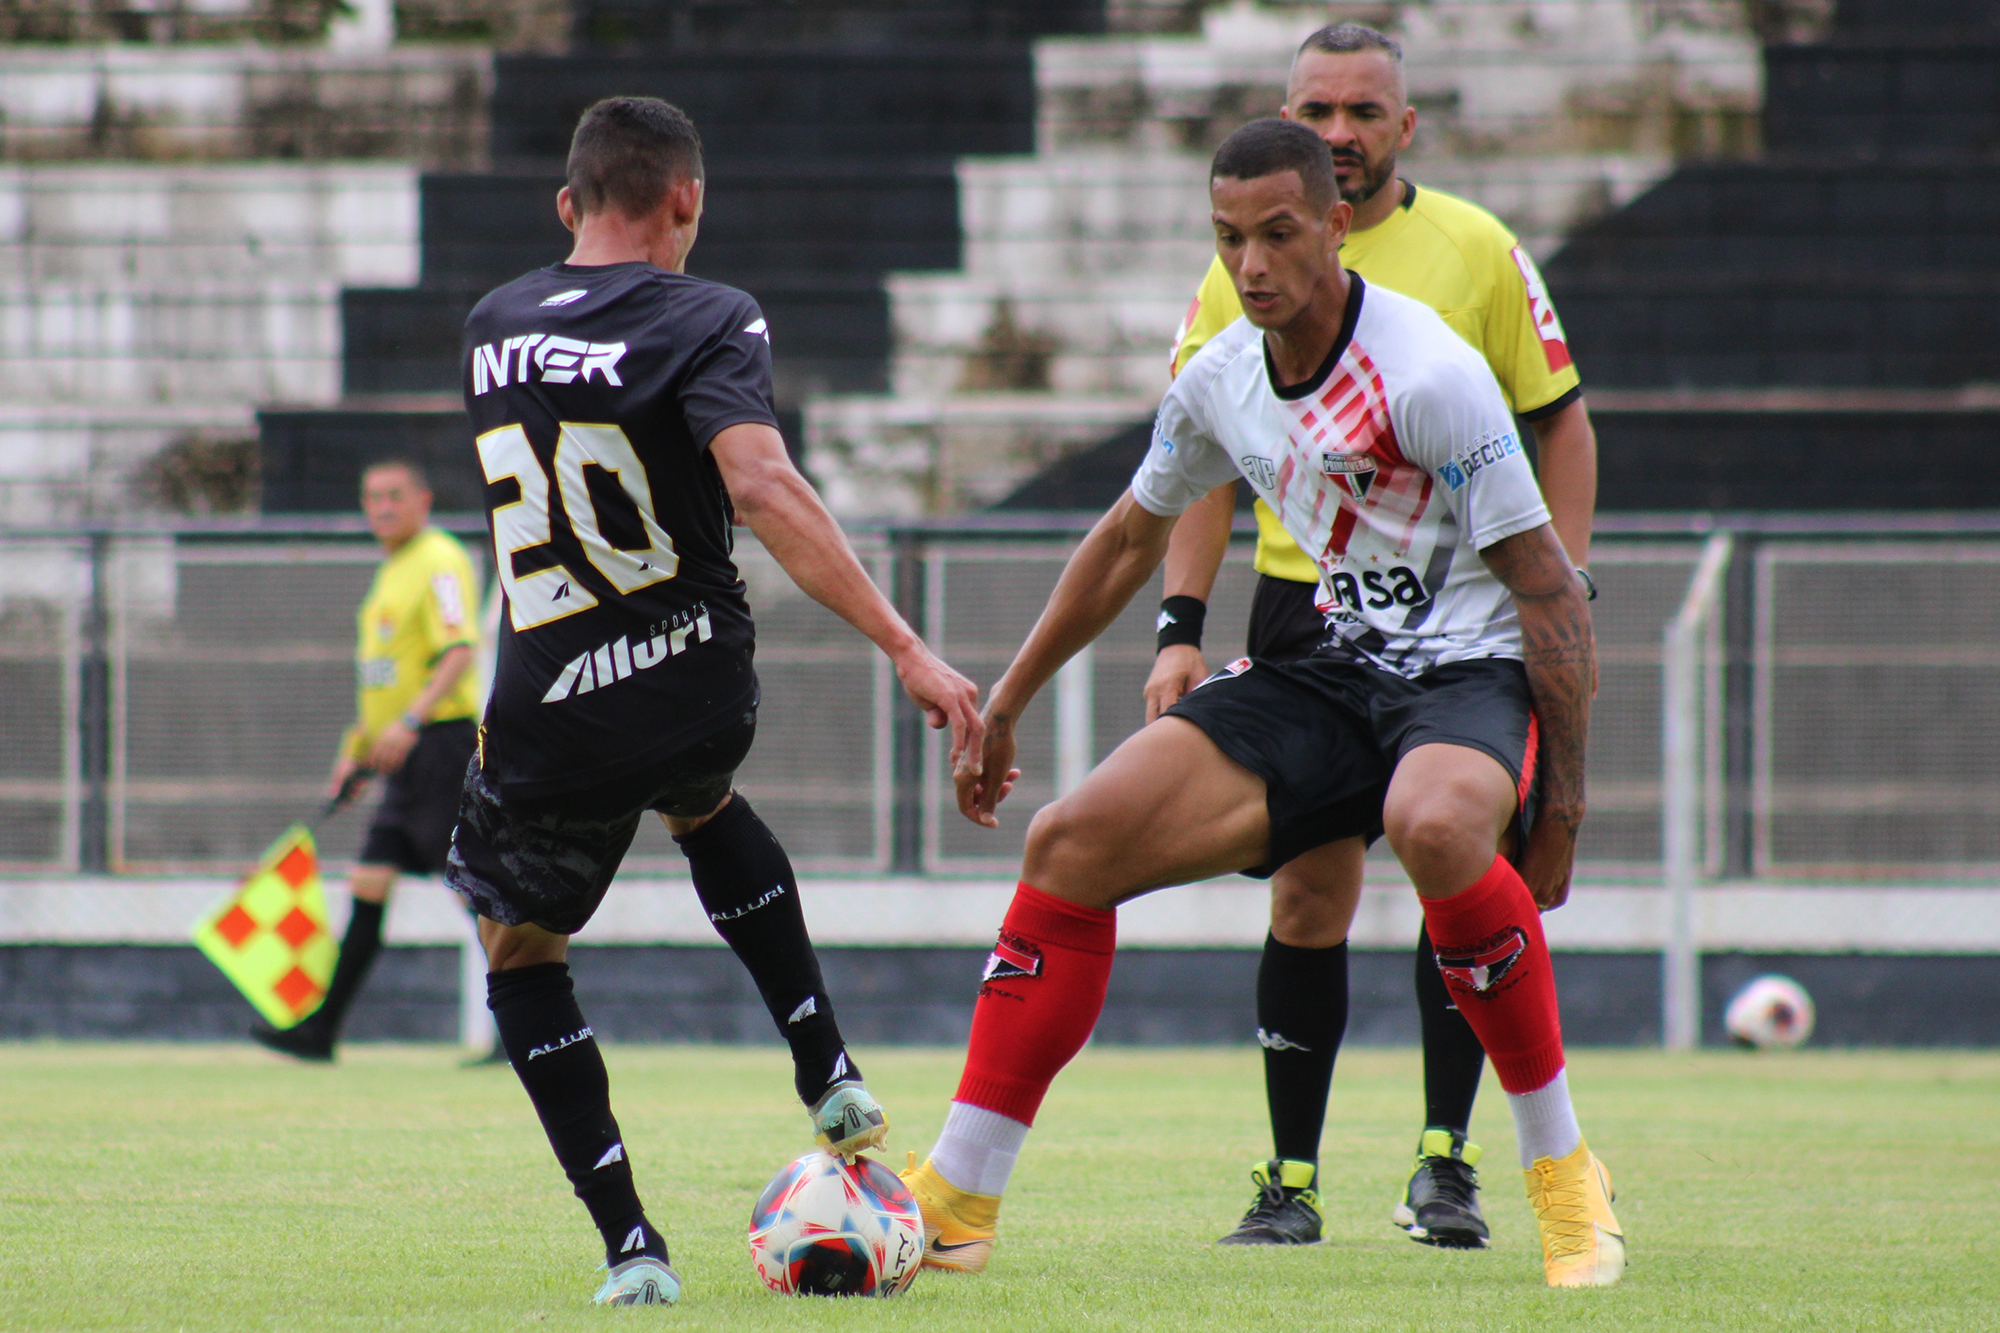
x=213, y=1188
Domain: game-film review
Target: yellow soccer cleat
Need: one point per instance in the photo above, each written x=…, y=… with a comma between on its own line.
x=959, y=1227
x=1582, y=1245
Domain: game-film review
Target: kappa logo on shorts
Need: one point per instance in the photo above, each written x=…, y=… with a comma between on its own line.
x=1012, y=956
x=612, y=662
x=1482, y=968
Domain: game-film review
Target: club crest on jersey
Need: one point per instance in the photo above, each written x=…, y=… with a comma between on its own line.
x=1012, y=956
x=612, y=662
x=1482, y=968
x=1354, y=472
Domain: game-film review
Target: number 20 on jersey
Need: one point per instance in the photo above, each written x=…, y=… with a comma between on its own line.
x=550, y=593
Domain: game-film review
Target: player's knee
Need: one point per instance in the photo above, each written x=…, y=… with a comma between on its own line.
x=1435, y=832
x=1062, y=854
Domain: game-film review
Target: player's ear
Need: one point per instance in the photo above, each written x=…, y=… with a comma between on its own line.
x=566, y=208
x=685, y=197
x=1409, y=130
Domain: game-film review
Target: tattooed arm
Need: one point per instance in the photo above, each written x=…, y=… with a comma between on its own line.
x=1561, y=657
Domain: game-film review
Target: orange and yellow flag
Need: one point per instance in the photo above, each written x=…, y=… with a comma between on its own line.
x=270, y=937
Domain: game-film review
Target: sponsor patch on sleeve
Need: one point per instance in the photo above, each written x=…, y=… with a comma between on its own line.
x=1483, y=452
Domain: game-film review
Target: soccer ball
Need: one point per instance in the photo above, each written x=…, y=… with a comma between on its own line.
x=1770, y=1012
x=825, y=1228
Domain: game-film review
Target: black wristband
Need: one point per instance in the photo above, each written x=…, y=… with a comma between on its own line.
x=1180, y=621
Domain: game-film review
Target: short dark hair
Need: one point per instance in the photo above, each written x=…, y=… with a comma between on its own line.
x=1267, y=147
x=1341, y=39
x=409, y=465
x=627, y=152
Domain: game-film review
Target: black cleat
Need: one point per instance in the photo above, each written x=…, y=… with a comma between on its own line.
x=308, y=1041
x=1440, y=1205
x=1287, y=1208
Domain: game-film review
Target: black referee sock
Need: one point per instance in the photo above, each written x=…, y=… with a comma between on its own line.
x=746, y=885
x=1301, y=1017
x=358, y=948
x=555, y=1054
x=1453, y=1057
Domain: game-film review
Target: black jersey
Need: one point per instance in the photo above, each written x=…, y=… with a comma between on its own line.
x=594, y=392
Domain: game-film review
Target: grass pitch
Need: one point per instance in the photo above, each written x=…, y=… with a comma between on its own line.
x=152, y=1187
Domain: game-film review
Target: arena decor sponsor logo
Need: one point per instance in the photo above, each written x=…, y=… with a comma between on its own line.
x=1483, y=452
x=545, y=357
x=1482, y=967
x=614, y=661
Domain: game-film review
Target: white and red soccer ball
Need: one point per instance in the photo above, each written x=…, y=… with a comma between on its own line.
x=823, y=1227
x=1772, y=1012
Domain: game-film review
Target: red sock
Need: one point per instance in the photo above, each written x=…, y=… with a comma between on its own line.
x=1496, y=965
x=1042, y=992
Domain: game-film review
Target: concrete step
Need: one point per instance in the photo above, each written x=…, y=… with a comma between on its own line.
x=1887, y=94
x=808, y=102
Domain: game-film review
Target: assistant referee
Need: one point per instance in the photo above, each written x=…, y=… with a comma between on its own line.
x=414, y=725
x=1346, y=85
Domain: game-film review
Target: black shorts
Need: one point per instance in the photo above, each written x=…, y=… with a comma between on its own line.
x=549, y=860
x=1285, y=620
x=1325, y=733
x=411, y=830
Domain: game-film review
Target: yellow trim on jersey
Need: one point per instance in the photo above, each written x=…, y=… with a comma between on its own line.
x=423, y=602
x=1459, y=260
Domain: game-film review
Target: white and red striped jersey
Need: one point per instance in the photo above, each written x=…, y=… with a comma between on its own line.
x=1393, y=466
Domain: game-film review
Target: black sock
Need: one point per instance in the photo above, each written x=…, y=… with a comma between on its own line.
x=358, y=948
x=746, y=885
x=1453, y=1057
x=555, y=1054
x=1301, y=1017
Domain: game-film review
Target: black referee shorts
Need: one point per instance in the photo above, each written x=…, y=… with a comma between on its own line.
x=550, y=860
x=1285, y=620
x=411, y=830
x=1326, y=733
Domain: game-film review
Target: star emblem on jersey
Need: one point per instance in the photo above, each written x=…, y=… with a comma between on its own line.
x=1012, y=956
x=1481, y=969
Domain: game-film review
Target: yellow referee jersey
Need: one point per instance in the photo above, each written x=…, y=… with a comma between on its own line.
x=1459, y=260
x=421, y=603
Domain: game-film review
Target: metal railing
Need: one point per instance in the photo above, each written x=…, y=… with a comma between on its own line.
x=1691, y=741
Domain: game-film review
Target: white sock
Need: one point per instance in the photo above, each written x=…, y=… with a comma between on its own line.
x=1544, y=1122
x=976, y=1151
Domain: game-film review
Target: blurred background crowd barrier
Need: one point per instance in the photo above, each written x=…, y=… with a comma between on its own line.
x=173, y=698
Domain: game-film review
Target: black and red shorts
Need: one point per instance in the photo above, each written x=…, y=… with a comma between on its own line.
x=1325, y=733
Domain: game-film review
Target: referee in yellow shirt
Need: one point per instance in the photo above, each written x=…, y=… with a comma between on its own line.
x=414, y=725
x=1346, y=83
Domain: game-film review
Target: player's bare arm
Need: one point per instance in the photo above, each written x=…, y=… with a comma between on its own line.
x=1560, y=653
x=1103, y=574
x=782, y=508
x=1194, y=554
x=392, y=747
x=1567, y=449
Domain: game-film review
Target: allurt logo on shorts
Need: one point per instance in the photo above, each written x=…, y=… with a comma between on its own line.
x=1482, y=967
x=614, y=661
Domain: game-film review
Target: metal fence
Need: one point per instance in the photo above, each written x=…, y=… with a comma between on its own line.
x=170, y=700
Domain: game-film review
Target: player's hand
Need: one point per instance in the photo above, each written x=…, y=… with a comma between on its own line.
x=391, y=747
x=1178, y=669
x=947, y=698
x=346, y=770
x=983, y=787
x=1550, y=856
